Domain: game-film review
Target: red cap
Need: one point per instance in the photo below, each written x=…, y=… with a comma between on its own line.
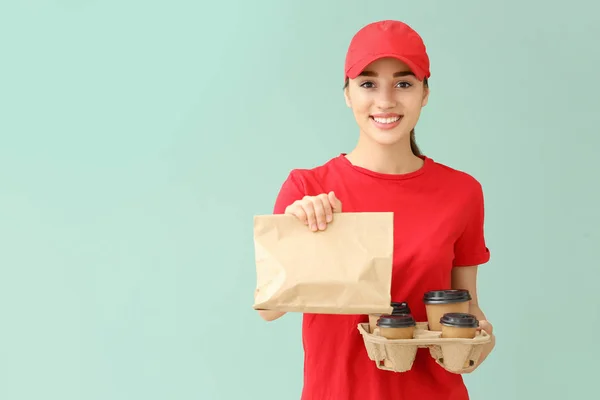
x=387, y=39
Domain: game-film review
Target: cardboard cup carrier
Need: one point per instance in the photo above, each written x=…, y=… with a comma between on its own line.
x=452, y=338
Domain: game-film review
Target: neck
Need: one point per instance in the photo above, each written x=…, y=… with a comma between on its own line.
x=392, y=159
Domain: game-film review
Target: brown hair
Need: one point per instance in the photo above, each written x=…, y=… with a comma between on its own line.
x=413, y=143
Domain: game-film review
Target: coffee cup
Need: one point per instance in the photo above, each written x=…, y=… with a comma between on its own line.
x=440, y=302
x=396, y=326
x=459, y=325
x=400, y=308
x=397, y=308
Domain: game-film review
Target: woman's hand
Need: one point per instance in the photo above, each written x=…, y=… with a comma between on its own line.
x=316, y=211
x=486, y=326
x=487, y=348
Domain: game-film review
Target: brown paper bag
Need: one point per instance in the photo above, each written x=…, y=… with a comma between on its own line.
x=346, y=269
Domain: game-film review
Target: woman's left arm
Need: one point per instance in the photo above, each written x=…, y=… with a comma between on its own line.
x=466, y=278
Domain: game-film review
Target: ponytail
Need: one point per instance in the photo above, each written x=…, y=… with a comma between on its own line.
x=413, y=144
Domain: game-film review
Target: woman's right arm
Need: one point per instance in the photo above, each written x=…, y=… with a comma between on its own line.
x=313, y=211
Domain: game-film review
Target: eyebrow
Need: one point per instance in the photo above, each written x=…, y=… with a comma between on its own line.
x=396, y=74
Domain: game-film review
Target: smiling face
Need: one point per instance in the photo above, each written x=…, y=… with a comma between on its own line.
x=386, y=99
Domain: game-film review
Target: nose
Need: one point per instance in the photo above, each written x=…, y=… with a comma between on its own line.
x=386, y=99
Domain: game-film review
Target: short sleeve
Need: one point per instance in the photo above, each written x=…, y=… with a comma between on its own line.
x=290, y=191
x=470, y=248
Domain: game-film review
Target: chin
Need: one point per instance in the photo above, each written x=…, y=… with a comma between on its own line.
x=388, y=138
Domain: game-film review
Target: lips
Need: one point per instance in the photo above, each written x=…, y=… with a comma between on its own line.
x=386, y=120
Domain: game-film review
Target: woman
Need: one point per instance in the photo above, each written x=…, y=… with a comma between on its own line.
x=438, y=219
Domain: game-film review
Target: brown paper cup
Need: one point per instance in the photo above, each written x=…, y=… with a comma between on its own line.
x=459, y=325
x=440, y=302
x=397, y=309
x=396, y=326
x=452, y=332
x=397, y=333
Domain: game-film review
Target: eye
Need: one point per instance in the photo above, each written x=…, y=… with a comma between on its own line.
x=404, y=84
x=367, y=85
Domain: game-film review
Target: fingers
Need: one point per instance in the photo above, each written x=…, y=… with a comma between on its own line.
x=316, y=211
x=323, y=201
x=336, y=204
x=486, y=326
x=296, y=210
x=311, y=211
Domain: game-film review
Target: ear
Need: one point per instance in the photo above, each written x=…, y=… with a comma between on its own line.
x=425, y=97
x=347, y=97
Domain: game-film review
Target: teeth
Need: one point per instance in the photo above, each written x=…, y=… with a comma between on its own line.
x=386, y=120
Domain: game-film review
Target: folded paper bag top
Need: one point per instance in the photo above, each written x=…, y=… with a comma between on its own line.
x=345, y=269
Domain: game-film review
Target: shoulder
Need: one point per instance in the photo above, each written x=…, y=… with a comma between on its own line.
x=308, y=176
x=460, y=180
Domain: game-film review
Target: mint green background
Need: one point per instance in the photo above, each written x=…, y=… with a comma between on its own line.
x=139, y=138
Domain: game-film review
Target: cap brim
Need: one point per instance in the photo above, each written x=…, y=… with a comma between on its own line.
x=359, y=66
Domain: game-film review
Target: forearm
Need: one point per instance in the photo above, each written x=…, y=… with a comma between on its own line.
x=476, y=311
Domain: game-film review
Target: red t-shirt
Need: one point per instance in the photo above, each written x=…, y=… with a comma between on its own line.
x=438, y=225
